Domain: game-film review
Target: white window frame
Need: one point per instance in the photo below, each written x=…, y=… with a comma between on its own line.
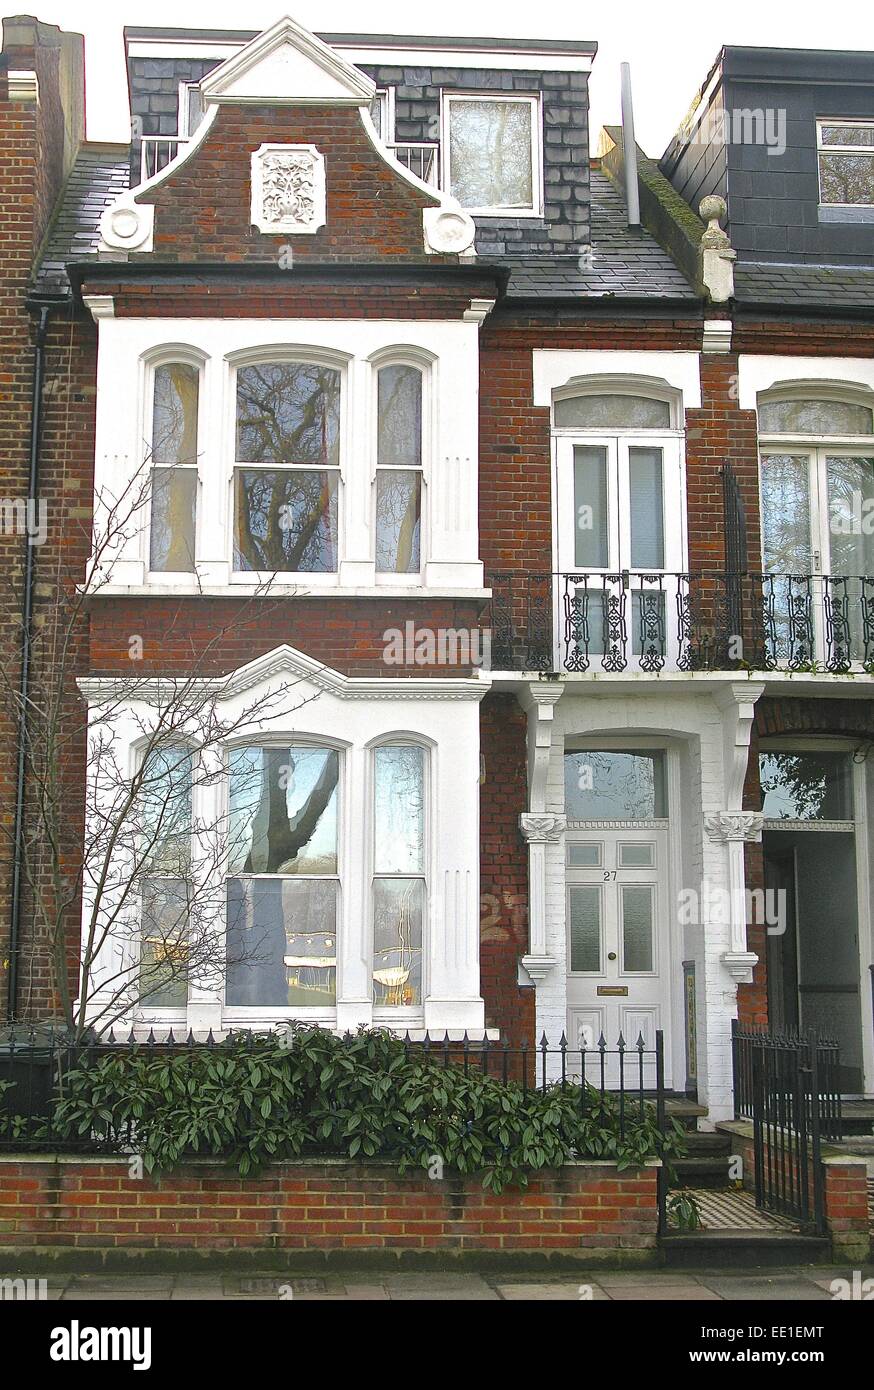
x=386, y=98
x=534, y=102
x=408, y=1015
x=169, y=357
x=182, y=129
x=254, y=1012
x=392, y=358
x=307, y=356
x=822, y=148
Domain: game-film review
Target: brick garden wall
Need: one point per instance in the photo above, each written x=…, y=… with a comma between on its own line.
x=88, y=1206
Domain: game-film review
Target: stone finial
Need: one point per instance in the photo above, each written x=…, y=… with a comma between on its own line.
x=717, y=256
x=712, y=210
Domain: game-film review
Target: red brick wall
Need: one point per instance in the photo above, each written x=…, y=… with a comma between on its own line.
x=279, y=295
x=504, y=869
x=93, y=1205
x=31, y=167
x=203, y=210
x=720, y=433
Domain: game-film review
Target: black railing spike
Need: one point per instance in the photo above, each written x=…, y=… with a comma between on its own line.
x=562, y=1041
x=131, y=1038
x=620, y=1046
x=544, y=1043
x=111, y=1038
x=602, y=1043
x=150, y=1040
x=641, y=1045
x=189, y=1041
x=210, y=1040
x=170, y=1039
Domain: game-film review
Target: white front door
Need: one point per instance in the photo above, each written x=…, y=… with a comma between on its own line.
x=618, y=948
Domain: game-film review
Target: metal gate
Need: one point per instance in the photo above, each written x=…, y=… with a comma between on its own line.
x=788, y=1085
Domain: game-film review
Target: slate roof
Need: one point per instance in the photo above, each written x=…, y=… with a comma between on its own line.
x=769, y=282
x=99, y=174
x=625, y=262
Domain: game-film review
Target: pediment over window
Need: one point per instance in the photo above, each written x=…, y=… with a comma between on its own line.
x=287, y=65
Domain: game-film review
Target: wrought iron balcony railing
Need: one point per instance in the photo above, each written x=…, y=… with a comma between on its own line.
x=632, y=621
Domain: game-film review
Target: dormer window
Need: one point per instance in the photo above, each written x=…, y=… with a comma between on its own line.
x=492, y=155
x=846, y=163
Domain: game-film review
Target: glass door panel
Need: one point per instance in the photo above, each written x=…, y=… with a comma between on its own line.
x=789, y=557
x=849, y=491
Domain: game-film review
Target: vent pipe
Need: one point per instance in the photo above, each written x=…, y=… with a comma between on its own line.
x=629, y=149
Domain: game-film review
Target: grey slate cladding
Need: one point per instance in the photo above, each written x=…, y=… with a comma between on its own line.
x=581, y=248
x=564, y=101
x=769, y=282
x=99, y=175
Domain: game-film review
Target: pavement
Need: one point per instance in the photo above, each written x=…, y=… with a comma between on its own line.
x=810, y=1284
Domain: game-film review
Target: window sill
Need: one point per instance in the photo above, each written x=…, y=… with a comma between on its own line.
x=284, y=590
x=834, y=212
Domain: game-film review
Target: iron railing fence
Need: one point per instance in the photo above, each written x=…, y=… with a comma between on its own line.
x=788, y=1084
x=33, y=1064
x=685, y=621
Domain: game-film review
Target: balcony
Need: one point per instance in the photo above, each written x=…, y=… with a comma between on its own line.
x=157, y=152
x=709, y=621
x=423, y=160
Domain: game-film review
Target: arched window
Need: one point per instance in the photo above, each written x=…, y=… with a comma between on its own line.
x=399, y=874
x=399, y=470
x=816, y=446
x=604, y=410
x=287, y=474
x=173, y=457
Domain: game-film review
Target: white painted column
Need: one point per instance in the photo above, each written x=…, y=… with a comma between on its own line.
x=538, y=826
x=453, y=1000
x=539, y=831
x=727, y=961
x=358, y=566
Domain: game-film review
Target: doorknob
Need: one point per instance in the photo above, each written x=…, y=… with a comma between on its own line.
x=611, y=955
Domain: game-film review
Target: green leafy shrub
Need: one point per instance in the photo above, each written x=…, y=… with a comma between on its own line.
x=257, y=1099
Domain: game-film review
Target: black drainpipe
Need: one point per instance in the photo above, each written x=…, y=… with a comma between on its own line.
x=26, y=640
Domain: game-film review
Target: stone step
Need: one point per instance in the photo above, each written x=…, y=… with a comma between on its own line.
x=739, y=1249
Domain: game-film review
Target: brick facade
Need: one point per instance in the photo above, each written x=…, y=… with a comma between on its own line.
x=85, y=1209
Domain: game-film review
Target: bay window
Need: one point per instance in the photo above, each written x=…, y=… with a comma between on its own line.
x=173, y=457
x=282, y=877
x=399, y=470
x=399, y=879
x=286, y=478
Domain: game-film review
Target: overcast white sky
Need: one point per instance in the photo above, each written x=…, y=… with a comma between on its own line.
x=670, y=46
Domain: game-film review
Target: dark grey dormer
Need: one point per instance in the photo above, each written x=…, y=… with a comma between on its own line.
x=786, y=136
x=513, y=137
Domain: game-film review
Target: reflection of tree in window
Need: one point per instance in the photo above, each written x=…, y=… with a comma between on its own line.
x=174, y=470
x=399, y=885
x=282, y=927
x=288, y=414
x=805, y=786
x=399, y=459
x=601, y=785
x=490, y=153
x=166, y=898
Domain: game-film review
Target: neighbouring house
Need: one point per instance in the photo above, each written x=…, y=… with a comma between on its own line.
x=520, y=542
